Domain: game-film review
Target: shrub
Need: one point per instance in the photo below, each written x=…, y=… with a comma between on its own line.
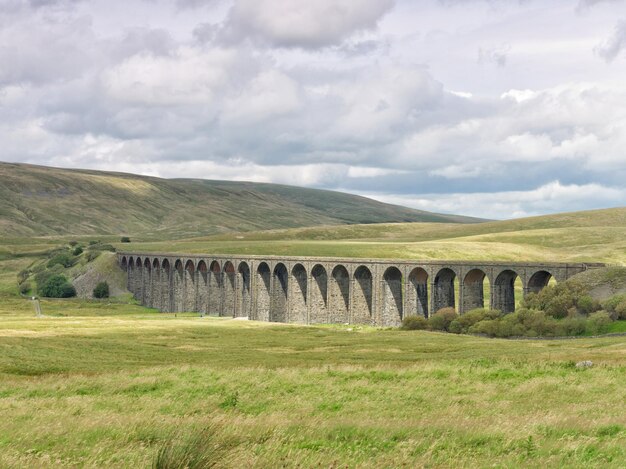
x=93, y=255
x=598, y=323
x=78, y=251
x=557, y=301
x=441, y=320
x=610, y=305
x=73, y=243
x=101, y=290
x=57, y=286
x=22, y=275
x=93, y=242
x=414, y=323
x=620, y=310
x=63, y=259
x=107, y=247
x=467, y=320
x=125, y=239
x=24, y=288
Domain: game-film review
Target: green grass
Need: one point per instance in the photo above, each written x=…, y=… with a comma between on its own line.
x=95, y=389
x=36, y=200
x=107, y=384
x=595, y=236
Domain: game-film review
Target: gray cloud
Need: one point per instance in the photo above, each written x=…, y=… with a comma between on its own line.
x=365, y=101
x=610, y=48
x=309, y=25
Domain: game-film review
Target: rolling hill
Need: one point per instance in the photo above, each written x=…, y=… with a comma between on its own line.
x=589, y=236
x=43, y=201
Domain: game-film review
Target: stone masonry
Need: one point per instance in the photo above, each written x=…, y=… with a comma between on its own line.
x=309, y=290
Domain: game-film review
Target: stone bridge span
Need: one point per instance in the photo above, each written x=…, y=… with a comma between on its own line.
x=310, y=290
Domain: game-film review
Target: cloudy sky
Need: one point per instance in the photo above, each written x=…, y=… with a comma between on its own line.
x=495, y=108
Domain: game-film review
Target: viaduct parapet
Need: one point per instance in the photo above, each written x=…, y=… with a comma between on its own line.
x=311, y=290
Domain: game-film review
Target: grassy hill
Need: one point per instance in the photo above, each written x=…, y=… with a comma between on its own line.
x=37, y=200
x=589, y=236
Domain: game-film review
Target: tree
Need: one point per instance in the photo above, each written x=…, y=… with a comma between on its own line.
x=57, y=286
x=101, y=290
x=125, y=239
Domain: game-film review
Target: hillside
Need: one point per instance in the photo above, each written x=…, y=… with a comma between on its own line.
x=37, y=200
x=589, y=236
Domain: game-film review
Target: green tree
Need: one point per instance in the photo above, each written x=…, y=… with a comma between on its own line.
x=101, y=290
x=57, y=286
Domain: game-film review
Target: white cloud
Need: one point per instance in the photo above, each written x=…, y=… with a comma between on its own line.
x=361, y=95
x=610, y=48
x=553, y=196
x=306, y=24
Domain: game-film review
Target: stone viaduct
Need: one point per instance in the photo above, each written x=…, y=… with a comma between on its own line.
x=310, y=290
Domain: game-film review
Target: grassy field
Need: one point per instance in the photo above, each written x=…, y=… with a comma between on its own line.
x=111, y=384
x=595, y=236
x=98, y=385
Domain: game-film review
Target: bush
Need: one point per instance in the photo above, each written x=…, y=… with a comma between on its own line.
x=414, y=323
x=598, y=323
x=441, y=320
x=101, y=290
x=462, y=324
x=57, y=286
x=93, y=242
x=63, y=259
x=73, y=243
x=125, y=239
x=620, y=310
x=562, y=300
x=78, y=251
x=24, y=288
x=93, y=255
x=107, y=247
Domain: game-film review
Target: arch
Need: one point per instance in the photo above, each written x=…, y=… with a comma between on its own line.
x=215, y=289
x=263, y=296
x=280, y=289
x=298, y=295
x=189, y=287
x=339, y=295
x=503, y=292
x=228, y=280
x=244, y=302
x=443, y=290
x=473, y=290
x=362, y=296
x=319, y=295
x=147, y=283
x=202, y=287
x=417, y=293
x=124, y=263
x=538, y=281
x=392, y=297
x=166, y=290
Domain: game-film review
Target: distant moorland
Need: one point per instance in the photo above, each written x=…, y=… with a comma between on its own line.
x=42, y=201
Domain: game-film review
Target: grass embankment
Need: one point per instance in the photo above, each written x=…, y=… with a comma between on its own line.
x=92, y=390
